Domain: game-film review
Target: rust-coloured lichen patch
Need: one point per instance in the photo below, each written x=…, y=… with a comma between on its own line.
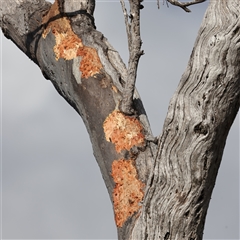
x=68, y=44
x=90, y=63
x=124, y=131
x=127, y=193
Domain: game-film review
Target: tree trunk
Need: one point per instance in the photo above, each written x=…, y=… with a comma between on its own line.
x=159, y=189
x=199, y=117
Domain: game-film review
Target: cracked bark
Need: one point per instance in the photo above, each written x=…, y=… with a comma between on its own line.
x=179, y=173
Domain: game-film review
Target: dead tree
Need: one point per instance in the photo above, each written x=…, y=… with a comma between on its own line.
x=160, y=187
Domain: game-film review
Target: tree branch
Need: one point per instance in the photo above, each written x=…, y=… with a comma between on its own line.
x=134, y=44
x=126, y=22
x=90, y=75
x=184, y=5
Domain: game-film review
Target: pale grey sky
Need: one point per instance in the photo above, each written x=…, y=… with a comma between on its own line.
x=51, y=185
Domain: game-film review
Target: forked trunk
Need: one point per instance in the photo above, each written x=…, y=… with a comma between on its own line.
x=159, y=189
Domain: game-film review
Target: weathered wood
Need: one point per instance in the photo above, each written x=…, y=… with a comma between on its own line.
x=134, y=46
x=185, y=5
x=200, y=115
x=158, y=192
x=87, y=71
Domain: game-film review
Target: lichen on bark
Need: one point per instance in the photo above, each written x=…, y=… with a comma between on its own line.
x=68, y=44
x=128, y=191
x=124, y=131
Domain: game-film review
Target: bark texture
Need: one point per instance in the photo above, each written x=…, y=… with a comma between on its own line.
x=159, y=191
x=198, y=121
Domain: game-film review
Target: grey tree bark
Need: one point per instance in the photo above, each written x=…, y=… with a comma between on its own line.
x=160, y=189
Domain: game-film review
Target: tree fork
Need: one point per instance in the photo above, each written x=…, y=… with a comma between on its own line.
x=158, y=192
